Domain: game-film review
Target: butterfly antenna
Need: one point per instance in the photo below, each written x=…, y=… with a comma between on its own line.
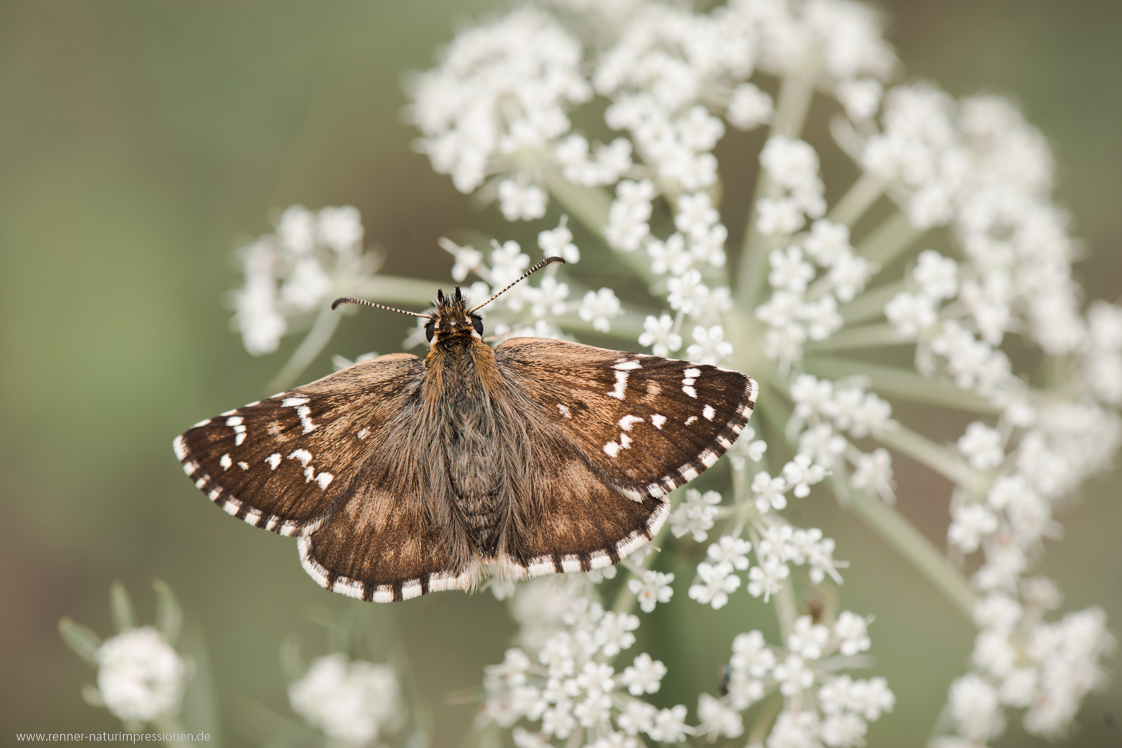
x=364, y=302
x=527, y=274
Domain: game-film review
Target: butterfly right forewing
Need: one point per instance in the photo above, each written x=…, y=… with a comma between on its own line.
x=645, y=424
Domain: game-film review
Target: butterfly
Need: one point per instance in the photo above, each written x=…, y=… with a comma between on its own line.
x=402, y=475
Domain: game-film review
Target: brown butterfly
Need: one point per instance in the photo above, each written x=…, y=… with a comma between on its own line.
x=402, y=475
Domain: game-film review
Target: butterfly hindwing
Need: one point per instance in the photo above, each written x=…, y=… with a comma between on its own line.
x=286, y=463
x=646, y=424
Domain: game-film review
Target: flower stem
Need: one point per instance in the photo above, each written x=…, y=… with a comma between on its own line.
x=322, y=330
x=898, y=382
x=889, y=240
x=916, y=548
x=870, y=305
x=866, y=336
x=860, y=196
x=930, y=454
x=795, y=94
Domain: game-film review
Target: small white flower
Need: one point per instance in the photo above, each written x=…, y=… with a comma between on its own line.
x=709, y=346
x=558, y=242
x=716, y=718
x=808, y=639
x=853, y=633
x=749, y=107
x=140, y=676
x=874, y=474
x=793, y=675
x=731, y=551
x=644, y=676
x=975, y=708
x=789, y=271
x=982, y=446
x=669, y=725
x=751, y=655
x=936, y=275
x=769, y=492
x=717, y=583
x=652, y=589
x=910, y=313
x=660, y=336
x=766, y=579
x=695, y=515
x=799, y=474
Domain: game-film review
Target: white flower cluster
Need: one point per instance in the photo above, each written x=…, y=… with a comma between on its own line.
x=1023, y=662
x=140, y=676
x=815, y=282
x=568, y=681
x=349, y=701
x=822, y=707
x=309, y=260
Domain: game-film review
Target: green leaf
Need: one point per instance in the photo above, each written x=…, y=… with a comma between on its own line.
x=121, y=606
x=169, y=615
x=84, y=642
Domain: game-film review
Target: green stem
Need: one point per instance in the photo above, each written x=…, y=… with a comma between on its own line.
x=865, y=336
x=916, y=548
x=889, y=240
x=927, y=452
x=870, y=304
x=858, y=199
x=795, y=94
x=322, y=330
x=902, y=383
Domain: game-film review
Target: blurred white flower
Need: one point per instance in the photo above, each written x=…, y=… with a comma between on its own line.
x=350, y=701
x=140, y=676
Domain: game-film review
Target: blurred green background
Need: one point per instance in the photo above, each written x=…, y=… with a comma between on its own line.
x=140, y=141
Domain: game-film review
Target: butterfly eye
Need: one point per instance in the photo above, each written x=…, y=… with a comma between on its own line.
x=477, y=323
x=430, y=329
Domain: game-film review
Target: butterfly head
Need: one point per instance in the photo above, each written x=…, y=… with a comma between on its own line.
x=452, y=319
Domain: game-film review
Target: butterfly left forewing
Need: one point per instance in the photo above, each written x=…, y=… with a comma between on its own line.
x=645, y=424
x=286, y=463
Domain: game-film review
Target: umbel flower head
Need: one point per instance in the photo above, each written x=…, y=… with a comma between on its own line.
x=939, y=260
x=141, y=678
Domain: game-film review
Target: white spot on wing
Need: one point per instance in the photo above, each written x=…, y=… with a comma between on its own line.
x=621, y=385
x=708, y=412
x=692, y=372
x=180, y=447
x=243, y=465
x=708, y=458
x=305, y=414
x=301, y=454
x=627, y=422
x=564, y=410
x=658, y=419
x=611, y=449
x=691, y=420
x=273, y=460
x=323, y=479
x=234, y=421
x=411, y=589
x=689, y=390
x=627, y=365
x=570, y=562
x=363, y=434
x=294, y=402
x=225, y=462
